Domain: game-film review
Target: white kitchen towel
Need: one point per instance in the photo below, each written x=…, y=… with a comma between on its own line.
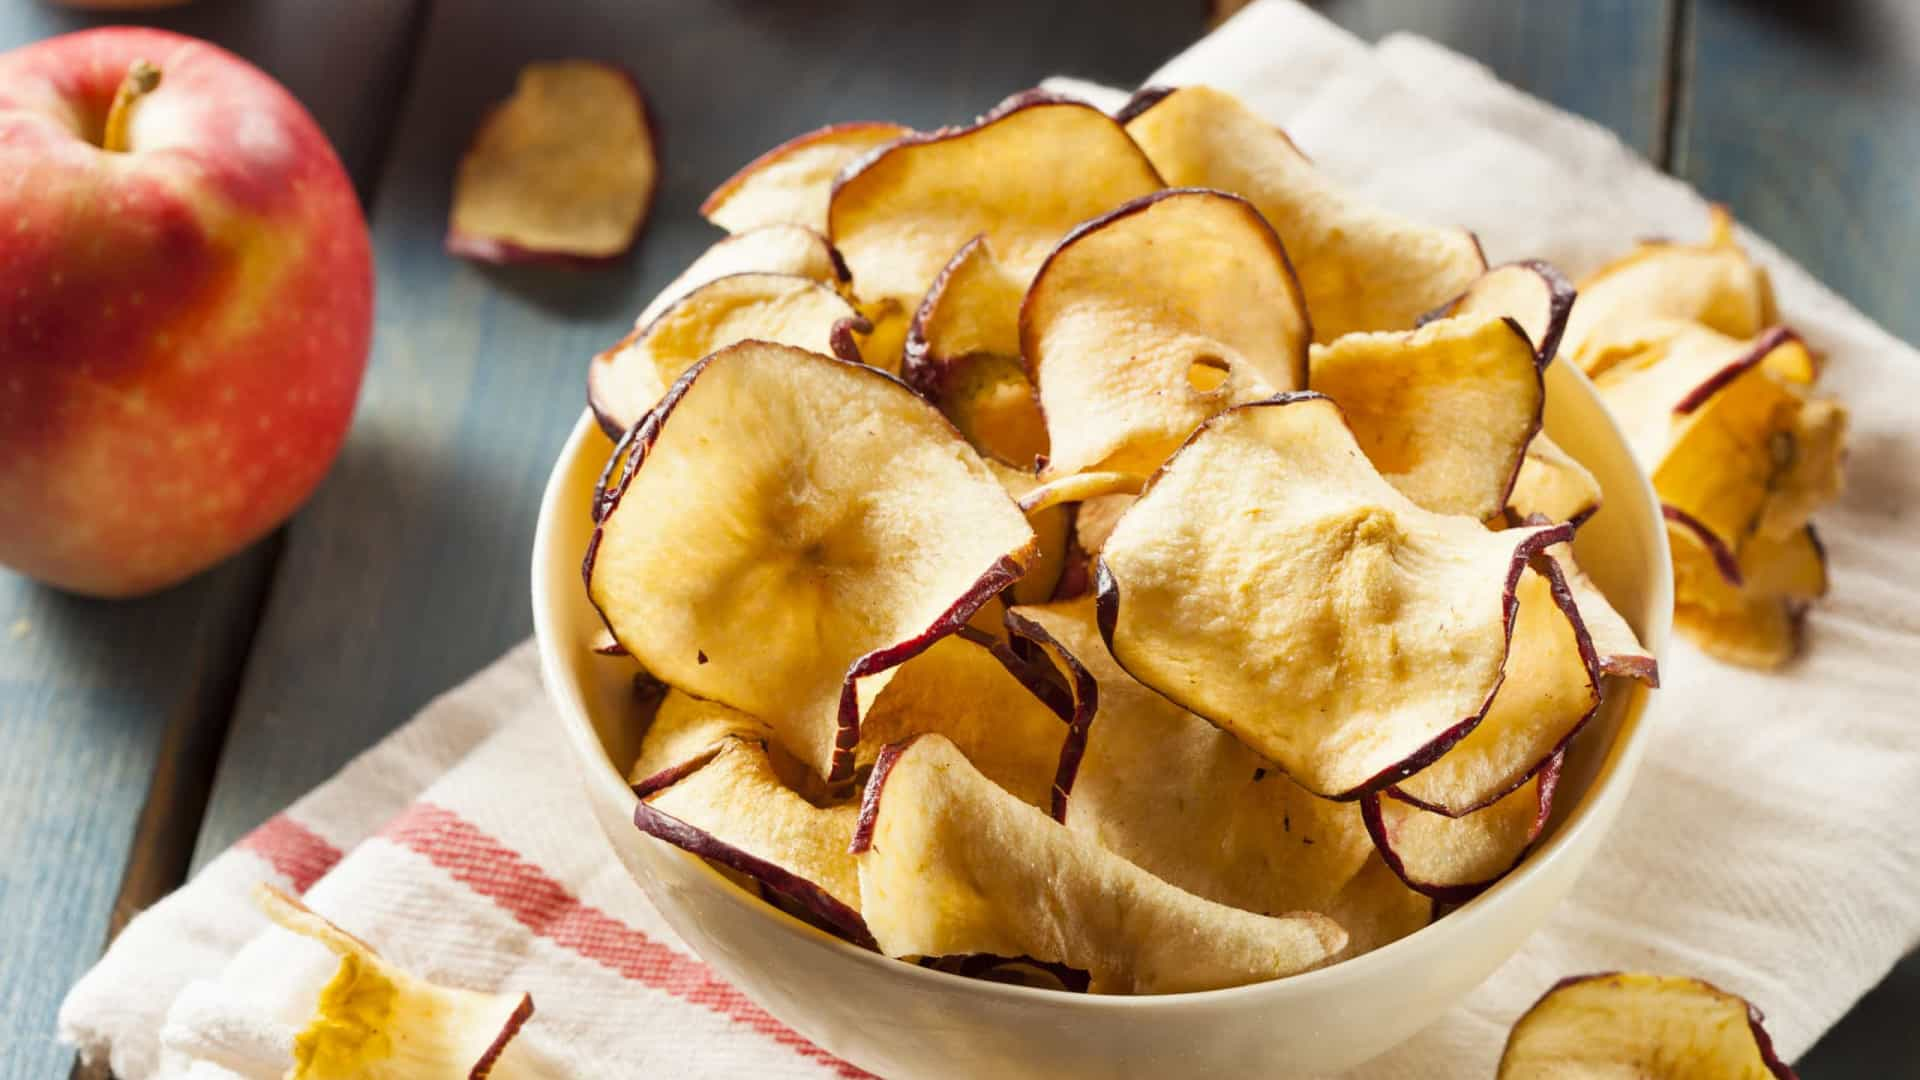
x=1763, y=848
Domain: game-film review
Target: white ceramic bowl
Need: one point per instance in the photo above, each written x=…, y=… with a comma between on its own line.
x=900, y=1020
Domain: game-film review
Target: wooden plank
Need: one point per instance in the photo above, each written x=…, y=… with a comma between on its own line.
x=1606, y=60
x=113, y=713
x=1801, y=118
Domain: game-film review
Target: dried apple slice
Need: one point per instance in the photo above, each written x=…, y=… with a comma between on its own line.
x=1095, y=519
x=1625, y=1024
x=1533, y=293
x=683, y=734
x=733, y=810
x=1150, y=319
x=789, y=184
x=785, y=568
x=1747, y=610
x=1454, y=859
x=1553, y=484
x=962, y=353
x=630, y=378
x=1272, y=582
x=1444, y=412
x=563, y=170
x=770, y=249
x=375, y=1021
x=1362, y=268
x=1616, y=647
x=1376, y=908
x=1022, y=175
x=950, y=863
x=1052, y=531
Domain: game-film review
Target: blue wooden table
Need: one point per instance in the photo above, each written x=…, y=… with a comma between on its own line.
x=139, y=738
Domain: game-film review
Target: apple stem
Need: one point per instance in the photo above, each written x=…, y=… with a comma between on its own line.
x=141, y=79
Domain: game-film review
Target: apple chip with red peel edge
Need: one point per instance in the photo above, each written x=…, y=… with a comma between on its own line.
x=962, y=352
x=1271, y=581
x=789, y=184
x=1755, y=620
x=950, y=863
x=787, y=568
x=1551, y=688
x=1005, y=717
x=1533, y=293
x=769, y=249
x=733, y=810
x=564, y=170
x=1616, y=647
x=1148, y=320
x=1553, y=484
x=1715, y=284
x=627, y=380
x=1628, y=1024
x=375, y=1021
x=1052, y=531
x=1454, y=859
x=1376, y=908
x=1022, y=175
x=1445, y=412
x=1182, y=799
x=683, y=733
x=1362, y=267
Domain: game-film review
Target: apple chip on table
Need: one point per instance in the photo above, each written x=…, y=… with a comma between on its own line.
x=1621, y=1024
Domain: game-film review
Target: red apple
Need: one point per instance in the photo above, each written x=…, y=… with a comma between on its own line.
x=186, y=299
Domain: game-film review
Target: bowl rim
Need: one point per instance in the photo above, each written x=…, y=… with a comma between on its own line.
x=1611, y=781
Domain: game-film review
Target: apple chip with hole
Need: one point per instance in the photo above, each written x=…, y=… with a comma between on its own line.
x=563, y=171
x=769, y=249
x=1444, y=412
x=962, y=353
x=950, y=863
x=1361, y=267
x=785, y=529
x=1628, y=1024
x=1270, y=580
x=1022, y=176
x=1147, y=321
x=789, y=184
x=376, y=1021
x=1454, y=859
x=627, y=380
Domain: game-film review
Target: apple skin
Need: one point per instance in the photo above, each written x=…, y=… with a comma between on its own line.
x=183, y=326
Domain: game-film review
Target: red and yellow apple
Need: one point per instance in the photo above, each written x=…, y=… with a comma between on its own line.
x=186, y=299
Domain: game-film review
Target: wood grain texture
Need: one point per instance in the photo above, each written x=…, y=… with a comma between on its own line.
x=112, y=713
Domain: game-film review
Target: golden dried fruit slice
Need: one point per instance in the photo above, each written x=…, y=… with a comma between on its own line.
x=1272, y=582
x=962, y=353
x=1746, y=610
x=789, y=184
x=1533, y=293
x=1376, y=908
x=375, y=1021
x=1553, y=484
x=1650, y=1027
x=769, y=249
x=1147, y=321
x=627, y=380
x=1445, y=412
x=950, y=863
x=1022, y=175
x=1052, y=531
x=784, y=568
x=884, y=346
x=684, y=733
x=1362, y=268
x=1616, y=647
x=1095, y=519
x=563, y=170
x=1454, y=859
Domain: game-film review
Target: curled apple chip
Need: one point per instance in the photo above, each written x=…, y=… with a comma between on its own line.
x=375, y=1021
x=1454, y=859
x=962, y=353
x=1271, y=581
x=563, y=170
x=1052, y=532
x=1376, y=908
x=683, y=734
x=769, y=249
x=1154, y=317
x=950, y=863
x=733, y=810
x=789, y=184
x=1022, y=175
x=1444, y=412
x=1553, y=484
x=1749, y=609
x=1532, y=292
x=1362, y=268
x=1095, y=519
x=1616, y=647
x=785, y=529
x=1628, y=1024
x=630, y=378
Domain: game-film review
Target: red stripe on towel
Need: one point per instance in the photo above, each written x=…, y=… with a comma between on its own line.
x=295, y=852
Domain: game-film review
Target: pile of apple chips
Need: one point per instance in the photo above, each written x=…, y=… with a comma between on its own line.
x=1097, y=551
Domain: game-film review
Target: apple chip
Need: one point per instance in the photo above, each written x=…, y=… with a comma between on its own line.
x=1095, y=519
x=950, y=863
x=1627, y=1024
x=1149, y=320
x=785, y=529
x=374, y=1021
x=1376, y=908
x=770, y=249
x=962, y=353
x=1553, y=485
x=734, y=811
x=1533, y=293
x=1272, y=582
x=1022, y=175
x=1454, y=859
x=684, y=733
x=1052, y=530
x=1616, y=648
x=789, y=184
x=1444, y=412
x=627, y=380
x=1362, y=268
x=1746, y=610
x=564, y=170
